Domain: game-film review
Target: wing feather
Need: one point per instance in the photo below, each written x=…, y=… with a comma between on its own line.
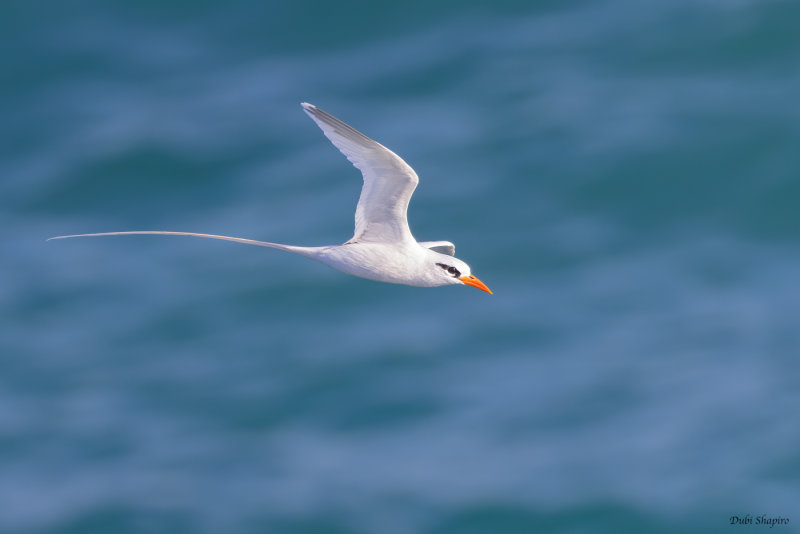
x=442, y=247
x=388, y=181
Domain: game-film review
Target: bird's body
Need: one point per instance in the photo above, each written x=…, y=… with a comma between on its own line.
x=397, y=263
x=382, y=247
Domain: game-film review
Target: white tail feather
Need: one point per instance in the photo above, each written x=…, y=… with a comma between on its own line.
x=299, y=250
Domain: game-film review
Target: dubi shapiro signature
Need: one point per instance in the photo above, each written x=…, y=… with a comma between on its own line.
x=762, y=519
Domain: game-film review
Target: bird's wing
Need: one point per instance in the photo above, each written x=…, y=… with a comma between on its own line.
x=442, y=247
x=388, y=181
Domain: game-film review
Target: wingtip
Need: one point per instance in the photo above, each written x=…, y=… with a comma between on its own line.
x=307, y=106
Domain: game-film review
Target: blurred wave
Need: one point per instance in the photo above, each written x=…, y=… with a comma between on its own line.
x=621, y=175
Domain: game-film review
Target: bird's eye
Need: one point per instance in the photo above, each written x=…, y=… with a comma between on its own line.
x=450, y=269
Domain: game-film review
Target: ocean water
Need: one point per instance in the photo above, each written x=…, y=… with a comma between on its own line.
x=624, y=175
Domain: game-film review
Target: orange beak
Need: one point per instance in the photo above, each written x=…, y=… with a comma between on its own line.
x=474, y=282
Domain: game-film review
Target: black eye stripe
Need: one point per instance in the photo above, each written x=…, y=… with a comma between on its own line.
x=450, y=269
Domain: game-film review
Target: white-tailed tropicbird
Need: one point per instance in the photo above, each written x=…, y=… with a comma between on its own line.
x=382, y=247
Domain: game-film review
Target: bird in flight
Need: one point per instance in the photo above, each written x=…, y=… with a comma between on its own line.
x=382, y=247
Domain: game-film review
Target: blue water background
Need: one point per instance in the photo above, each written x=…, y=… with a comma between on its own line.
x=624, y=175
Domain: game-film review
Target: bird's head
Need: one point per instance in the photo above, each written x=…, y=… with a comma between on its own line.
x=451, y=270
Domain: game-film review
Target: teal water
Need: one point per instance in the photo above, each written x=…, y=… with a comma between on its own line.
x=623, y=175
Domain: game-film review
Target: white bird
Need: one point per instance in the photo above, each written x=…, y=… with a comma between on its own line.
x=382, y=247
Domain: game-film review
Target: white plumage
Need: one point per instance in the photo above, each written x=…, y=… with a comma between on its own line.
x=382, y=247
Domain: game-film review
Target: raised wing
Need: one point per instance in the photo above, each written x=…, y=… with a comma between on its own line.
x=442, y=247
x=388, y=181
